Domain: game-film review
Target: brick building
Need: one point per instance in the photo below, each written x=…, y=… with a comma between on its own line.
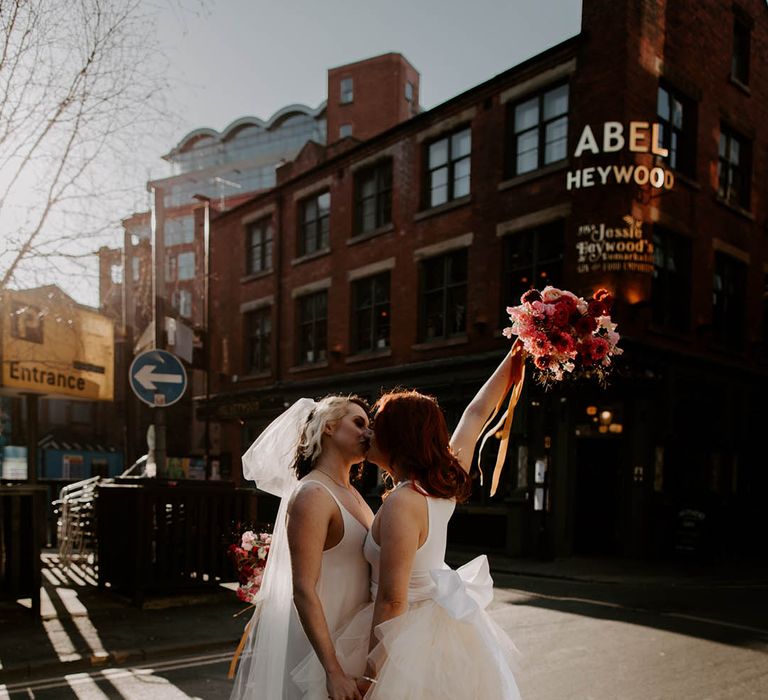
x=631, y=157
x=227, y=167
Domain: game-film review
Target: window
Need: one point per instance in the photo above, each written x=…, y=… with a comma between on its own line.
x=671, y=282
x=345, y=130
x=370, y=313
x=448, y=161
x=741, y=49
x=27, y=322
x=179, y=230
x=373, y=197
x=80, y=412
x=728, y=299
x=733, y=168
x=57, y=411
x=408, y=91
x=678, y=129
x=186, y=266
x=538, y=131
x=532, y=259
x=313, y=226
x=259, y=242
x=136, y=264
x=347, y=91
x=312, y=330
x=181, y=300
x=171, y=263
x=116, y=274
x=765, y=316
x=444, y=296
x=258, y=326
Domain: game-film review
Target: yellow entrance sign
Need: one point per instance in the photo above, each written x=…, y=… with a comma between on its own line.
x=53, y=346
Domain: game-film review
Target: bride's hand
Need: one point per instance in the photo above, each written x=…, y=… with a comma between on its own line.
x=340, y=686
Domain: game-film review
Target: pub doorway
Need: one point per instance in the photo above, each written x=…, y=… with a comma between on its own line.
x=599, y=497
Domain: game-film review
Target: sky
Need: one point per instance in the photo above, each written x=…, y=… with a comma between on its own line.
x=226, y=59
x=232, y=58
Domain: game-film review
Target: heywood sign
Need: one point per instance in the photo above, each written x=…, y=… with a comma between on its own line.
x=639, y=137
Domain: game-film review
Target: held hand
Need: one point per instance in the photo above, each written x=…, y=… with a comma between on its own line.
x=340, y=686
x=363, y=686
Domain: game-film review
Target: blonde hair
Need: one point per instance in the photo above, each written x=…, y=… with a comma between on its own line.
x=328, y=409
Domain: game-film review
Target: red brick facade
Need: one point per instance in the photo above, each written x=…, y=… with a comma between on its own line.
x=376, y=99
x=616, y=71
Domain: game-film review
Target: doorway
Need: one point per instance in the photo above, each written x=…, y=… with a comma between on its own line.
x=599, y=497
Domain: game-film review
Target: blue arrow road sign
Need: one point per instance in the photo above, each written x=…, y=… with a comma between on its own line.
x=158, y=378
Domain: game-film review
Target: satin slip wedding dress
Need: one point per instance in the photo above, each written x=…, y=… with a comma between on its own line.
x=445, y=646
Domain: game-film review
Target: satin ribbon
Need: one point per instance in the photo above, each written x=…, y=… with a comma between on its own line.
x=515, y=382
x=464, y=591
x=238, y=651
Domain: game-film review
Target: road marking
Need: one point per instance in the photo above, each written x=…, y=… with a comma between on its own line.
x=710, y=621
x=72, y=679
x=647, y=611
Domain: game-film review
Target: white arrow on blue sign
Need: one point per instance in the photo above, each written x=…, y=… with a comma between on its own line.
x=158, y=378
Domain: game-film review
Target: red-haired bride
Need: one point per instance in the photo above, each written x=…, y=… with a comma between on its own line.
x=426, y=636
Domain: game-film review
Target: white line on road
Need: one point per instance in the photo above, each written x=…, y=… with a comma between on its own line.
x=710, y=621
x=618, y=606
x=72, y=679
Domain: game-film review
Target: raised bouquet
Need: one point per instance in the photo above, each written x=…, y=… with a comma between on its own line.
x=250, y=557
x=565, y=334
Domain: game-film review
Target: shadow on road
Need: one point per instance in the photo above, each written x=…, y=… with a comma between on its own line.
x=728, y=614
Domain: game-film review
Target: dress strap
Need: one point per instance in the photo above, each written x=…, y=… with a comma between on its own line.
x=414, y=484
x=331, y=493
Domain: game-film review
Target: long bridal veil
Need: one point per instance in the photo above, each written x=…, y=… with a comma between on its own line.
x=268, y=462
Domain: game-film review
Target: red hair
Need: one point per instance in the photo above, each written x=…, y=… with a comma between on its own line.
x=411, y=429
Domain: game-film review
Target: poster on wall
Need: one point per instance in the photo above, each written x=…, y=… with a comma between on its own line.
x=53, y=346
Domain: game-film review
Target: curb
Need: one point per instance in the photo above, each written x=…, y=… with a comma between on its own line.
x=117, y=657
x=457, y=559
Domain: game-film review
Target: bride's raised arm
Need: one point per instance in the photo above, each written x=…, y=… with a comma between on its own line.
x=475, y=415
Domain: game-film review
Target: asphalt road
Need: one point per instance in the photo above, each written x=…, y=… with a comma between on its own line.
x=203, y=677
x=577, y=641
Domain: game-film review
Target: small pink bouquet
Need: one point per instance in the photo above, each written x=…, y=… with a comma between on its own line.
x=250, y=558
x=565, y=334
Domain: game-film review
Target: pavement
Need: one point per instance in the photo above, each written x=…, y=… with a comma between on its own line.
x=81, y=627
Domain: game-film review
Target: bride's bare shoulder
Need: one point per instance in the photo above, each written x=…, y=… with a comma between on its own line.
x=310, y=495
x=404, y=500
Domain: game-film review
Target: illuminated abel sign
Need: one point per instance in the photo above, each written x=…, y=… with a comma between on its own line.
x=639, y=137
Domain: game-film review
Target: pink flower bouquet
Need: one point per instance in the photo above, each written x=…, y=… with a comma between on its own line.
x=250, y=558
x=565, y=334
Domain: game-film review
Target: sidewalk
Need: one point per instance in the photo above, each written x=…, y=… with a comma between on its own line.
x=82, y=627
x=617, y=570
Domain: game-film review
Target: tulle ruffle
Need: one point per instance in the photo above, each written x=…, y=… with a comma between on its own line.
x=428, y=655
x=425, y=654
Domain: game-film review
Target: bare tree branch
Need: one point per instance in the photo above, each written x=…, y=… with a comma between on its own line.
x=80, y=84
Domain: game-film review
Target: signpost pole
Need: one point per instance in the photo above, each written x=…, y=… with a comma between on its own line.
x=158, y=288
x=32, y=405
x=129, y=320
x=206, y=202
